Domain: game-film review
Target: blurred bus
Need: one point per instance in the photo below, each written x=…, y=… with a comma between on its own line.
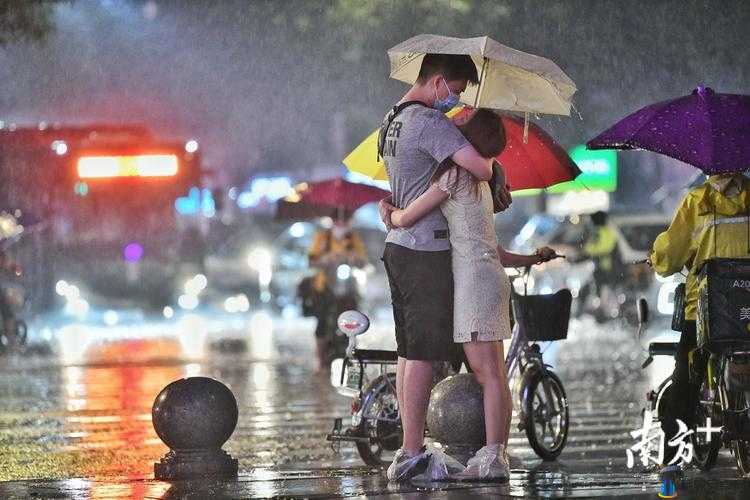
x=107, y=195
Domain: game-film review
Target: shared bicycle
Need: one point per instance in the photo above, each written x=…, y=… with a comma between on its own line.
x=368, y=377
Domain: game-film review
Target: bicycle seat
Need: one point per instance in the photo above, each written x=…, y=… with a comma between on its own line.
x=662, y=348
x=375, y=355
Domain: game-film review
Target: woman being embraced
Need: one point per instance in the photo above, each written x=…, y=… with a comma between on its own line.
x=481, y=309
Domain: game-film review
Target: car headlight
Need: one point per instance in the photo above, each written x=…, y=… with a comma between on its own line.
x=360, y=275
x=344, y=272
x=196, y=284
x=260, y=259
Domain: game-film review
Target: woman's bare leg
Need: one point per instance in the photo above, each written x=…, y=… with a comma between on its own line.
x=400, y=370
x=485, y=361
x=507, y=398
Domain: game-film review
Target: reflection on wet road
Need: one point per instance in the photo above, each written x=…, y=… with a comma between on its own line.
x=84, y=412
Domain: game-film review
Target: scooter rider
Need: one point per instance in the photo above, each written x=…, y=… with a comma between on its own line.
x=713, y=220
x=330, y=248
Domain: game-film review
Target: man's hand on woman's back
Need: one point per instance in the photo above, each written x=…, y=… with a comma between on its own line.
x=501, y=190
x=385, y=209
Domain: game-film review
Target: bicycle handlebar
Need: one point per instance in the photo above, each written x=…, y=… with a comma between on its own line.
x=662, y=348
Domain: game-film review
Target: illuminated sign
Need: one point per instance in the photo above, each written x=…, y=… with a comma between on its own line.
x=157, y=165
x=598, y=173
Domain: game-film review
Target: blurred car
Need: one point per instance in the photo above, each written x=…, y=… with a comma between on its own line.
x=567, y=235
x=240, y=255
x=266, y=260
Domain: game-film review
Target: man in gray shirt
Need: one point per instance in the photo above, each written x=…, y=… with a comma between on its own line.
x=415, y=138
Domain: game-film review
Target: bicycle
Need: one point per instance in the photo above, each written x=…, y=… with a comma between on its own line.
x=721, y=363
x=376, y=426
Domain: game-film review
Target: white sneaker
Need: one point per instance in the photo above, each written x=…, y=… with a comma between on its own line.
x=488, y=464
x=405, y=467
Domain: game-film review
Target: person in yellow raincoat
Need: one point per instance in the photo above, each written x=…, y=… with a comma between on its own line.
x=602, y=248
x=713, y=220
x=331, y=248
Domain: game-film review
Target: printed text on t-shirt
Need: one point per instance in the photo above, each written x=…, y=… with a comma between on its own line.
x=394, y=132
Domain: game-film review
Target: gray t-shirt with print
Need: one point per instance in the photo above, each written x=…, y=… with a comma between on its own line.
x=418, y=140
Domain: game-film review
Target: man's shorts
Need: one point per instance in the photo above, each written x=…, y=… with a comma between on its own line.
x=422, y=295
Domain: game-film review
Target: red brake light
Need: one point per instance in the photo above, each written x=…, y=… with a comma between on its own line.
x=157, y=165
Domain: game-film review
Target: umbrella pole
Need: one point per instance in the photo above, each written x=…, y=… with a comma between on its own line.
x=526, y=127
x=481, y=81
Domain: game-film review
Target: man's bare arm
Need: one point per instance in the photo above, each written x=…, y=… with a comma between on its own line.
x=468, y=158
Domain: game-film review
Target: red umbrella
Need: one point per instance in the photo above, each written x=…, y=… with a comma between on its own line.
x=339, y=193
x=534, y=162
x=334, y=197
x=299, y=210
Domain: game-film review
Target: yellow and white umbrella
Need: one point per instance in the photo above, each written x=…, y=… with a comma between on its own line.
x=509, y=79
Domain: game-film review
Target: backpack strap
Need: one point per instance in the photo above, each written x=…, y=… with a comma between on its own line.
x=392, y=116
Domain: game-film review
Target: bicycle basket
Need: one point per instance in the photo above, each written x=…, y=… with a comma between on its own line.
x=724, y=303
x=543, y=317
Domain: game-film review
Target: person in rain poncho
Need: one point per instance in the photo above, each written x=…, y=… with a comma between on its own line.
x=602, y=248
x=713, y=220
x=330, y=248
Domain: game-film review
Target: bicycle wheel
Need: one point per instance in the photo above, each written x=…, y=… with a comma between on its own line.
x=546, y=415
x=740, y=448
x=705, y=452
x=381, y=422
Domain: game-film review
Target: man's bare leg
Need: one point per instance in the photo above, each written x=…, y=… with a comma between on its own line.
x=416, y=389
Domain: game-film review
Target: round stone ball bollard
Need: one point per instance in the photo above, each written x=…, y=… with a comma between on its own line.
x=195, y=416
x=455, y=415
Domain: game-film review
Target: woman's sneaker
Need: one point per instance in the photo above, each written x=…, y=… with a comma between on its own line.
x=488, y=464
x=405, y=467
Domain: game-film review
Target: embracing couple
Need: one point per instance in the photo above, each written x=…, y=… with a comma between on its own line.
x=445, y=268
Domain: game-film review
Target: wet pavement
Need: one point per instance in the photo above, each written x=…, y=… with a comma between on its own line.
x=75, y=422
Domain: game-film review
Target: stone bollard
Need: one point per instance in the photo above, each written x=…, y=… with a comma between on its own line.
x=194, y=417
x=455, y=416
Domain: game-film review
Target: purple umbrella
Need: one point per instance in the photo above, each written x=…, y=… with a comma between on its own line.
x=707, y=130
